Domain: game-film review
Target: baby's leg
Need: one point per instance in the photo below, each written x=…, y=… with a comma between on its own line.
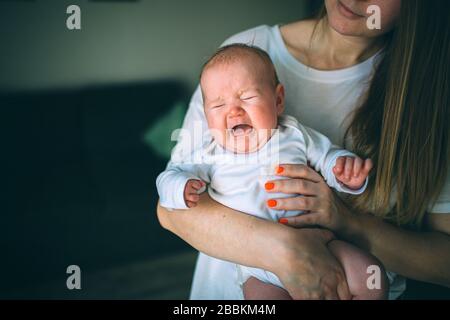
x=355, y=263
x=255, y=289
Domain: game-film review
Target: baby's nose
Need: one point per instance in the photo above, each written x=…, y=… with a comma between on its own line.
x=236, y=111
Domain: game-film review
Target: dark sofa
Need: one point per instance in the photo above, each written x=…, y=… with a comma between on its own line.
x=78, y=180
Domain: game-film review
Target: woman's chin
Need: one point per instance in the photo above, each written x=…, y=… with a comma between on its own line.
x=346, y=27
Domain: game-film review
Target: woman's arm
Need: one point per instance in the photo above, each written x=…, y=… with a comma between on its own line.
x=424, y=256
x=300, y=258
x=226, y=234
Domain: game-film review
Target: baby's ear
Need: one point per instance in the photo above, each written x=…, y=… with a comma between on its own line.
x=279, y=93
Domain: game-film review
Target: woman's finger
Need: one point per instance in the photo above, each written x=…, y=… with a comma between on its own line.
x=293, y=186
x=303, y=220
x=294, y=203
x=298, y=171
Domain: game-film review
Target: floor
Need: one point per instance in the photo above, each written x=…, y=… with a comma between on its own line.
x=163, y=278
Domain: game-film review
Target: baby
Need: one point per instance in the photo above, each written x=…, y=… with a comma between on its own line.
x=250, y=138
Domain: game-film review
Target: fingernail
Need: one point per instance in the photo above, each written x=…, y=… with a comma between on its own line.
x=283, y=221
x=269, y=185
x=280, y=169
x=272, y=203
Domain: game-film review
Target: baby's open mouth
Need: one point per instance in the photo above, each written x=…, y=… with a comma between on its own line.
x=241, y=130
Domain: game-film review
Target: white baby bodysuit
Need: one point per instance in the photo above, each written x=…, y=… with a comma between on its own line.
x=237, y=180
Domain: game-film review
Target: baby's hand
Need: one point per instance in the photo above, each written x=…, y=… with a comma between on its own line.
x=191, y=189
x=352, y=171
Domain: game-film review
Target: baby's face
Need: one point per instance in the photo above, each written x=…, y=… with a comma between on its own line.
x=241, y=104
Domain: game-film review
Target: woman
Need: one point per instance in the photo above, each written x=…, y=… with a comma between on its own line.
x=396, y=115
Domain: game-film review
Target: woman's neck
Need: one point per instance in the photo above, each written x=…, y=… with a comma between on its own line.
x=338, y=51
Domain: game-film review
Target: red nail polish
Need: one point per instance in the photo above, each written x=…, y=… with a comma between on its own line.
x=280, y=169
x=283, y=221
x=269, y=185
x=272, y=203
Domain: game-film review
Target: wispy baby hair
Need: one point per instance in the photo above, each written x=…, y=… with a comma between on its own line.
x=236, y=51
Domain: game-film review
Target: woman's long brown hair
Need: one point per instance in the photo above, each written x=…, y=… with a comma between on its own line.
x=403, y=124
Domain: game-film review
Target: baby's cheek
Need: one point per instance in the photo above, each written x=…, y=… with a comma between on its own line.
x=267, y=120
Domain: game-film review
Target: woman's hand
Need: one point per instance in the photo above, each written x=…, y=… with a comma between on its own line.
x=299, y=257
x=309, y=270
x=313, y=273
x=322, y=207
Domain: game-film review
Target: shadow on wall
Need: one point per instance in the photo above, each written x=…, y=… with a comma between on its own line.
x=78, y=178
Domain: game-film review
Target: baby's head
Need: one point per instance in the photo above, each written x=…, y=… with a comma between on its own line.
x=242, y=97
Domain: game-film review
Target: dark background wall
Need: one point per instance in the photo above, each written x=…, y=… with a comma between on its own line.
x=122, y=40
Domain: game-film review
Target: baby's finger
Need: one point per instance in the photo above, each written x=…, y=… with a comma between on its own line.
x=357, y=165
x=368, y=165
x=339, y=167
x=348, y=167
x=196, y=184
x=188, y=189
x=194, y=197
x=191, y=204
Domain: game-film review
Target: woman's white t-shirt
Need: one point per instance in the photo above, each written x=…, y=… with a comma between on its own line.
x=322, y=100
